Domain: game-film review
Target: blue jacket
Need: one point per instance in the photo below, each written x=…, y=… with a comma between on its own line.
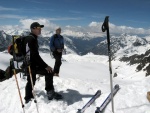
x=56, y=42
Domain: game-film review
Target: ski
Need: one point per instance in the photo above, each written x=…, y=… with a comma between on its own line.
x=94, y=97
x=107, y=100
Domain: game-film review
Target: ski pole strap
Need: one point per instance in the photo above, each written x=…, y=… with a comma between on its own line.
x=105, y=24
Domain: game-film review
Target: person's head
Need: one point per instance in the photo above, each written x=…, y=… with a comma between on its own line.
x=58, y=30
x=36, y=28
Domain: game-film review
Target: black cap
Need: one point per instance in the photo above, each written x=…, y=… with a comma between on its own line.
x=35, y=24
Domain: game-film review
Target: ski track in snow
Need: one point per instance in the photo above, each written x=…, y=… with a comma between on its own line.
x=80, y=78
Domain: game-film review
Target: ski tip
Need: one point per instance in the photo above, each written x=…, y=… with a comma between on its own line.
x=97, y=110
x=79, y=111
x=99, y=91
x=117, y=86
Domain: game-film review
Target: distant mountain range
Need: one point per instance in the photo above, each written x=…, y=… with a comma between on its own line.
x=132, y=49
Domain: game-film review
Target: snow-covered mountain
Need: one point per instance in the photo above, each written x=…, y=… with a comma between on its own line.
x=124, y=44
x=5, y=40
x=131, y=49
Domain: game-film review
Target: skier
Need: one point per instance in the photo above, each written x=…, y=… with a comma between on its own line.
x=37, y=65
x=57, y=47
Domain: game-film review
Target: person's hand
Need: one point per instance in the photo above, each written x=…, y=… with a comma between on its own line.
x=59, y=50
x=49, y=69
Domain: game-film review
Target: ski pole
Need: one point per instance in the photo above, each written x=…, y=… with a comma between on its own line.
x=105, y=27
x=18, y=87
x=33, y=92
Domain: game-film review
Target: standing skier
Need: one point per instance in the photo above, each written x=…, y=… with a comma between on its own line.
x=57, y=47
x=37, y=65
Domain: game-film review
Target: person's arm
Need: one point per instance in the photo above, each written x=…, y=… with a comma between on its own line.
x=52, y=47
x=35, y=54
x=63, y=42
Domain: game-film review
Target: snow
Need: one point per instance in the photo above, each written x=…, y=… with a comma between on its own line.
x=80, y=78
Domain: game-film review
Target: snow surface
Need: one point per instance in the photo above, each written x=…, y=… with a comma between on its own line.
x=80, y=77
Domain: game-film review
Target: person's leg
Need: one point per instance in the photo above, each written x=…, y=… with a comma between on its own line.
x=49, y=84
x=48, y=78
x=58, y=63
x=28, y=88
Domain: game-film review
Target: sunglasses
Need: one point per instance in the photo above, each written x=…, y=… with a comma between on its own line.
x=37, y=27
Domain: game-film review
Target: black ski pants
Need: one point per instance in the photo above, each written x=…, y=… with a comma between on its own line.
x=58, y=62
x=48, y=81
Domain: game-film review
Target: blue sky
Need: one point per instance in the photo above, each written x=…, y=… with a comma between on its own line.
x=132, y=13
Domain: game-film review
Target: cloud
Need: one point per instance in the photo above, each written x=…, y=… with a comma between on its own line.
x=95, y=24
x=134, y=21
x=65, y=18
x=75, y=12
x=100, y=16
x=6, y=16
x=7, y=9
x=25, y=26
x=47, y=24
x=92, y=28
x=8, y=27
x=36, y=1
x=95, y=27
x=119, y=29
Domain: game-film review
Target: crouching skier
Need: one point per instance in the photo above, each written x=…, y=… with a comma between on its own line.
x=36, y=65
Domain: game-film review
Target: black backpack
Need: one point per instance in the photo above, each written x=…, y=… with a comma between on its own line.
x=16, y=48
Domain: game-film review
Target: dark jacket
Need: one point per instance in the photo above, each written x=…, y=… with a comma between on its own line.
x=56, y=42
x=31, y=45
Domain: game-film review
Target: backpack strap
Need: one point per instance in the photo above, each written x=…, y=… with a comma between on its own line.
x=29, y=49
x=32, y=36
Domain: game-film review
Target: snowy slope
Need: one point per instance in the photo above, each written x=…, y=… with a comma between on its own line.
x=80, y=78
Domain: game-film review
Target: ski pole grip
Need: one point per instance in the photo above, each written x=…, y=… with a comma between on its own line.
x=105, y=24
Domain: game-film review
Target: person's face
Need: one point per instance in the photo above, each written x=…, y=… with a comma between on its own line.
x=58, y=31
x=37, y=31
